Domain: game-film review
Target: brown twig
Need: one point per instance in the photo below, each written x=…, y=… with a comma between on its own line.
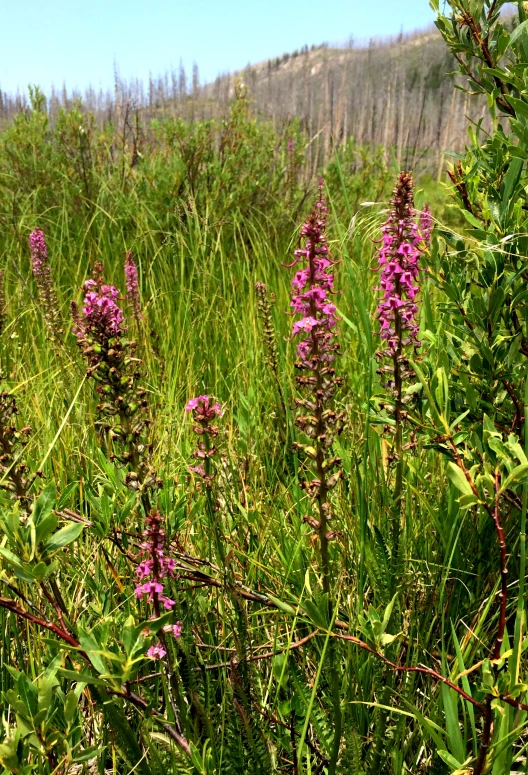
x=456, y=176
x=267, y=655
x=482, y=43
x=519, y=410
x=404, y=669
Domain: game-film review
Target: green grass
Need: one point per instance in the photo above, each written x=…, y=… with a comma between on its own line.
x=199, y=257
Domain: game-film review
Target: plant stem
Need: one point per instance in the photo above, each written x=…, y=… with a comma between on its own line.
x=519, y=620
x=398, y=440
x=503, y=598
x=322, y=494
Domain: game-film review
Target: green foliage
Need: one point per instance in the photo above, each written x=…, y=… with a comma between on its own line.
x=208, y=209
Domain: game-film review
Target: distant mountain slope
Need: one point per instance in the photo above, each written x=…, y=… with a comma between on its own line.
x=395, y=93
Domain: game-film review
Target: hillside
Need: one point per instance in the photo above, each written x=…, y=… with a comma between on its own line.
x=395, y=93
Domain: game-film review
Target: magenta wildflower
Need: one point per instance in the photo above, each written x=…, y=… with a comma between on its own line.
x=102, y=316
x=132, y=286
x=155, y=566
x=46, y=291
x=312, y=298
x=39, y=252
x=398, y=259
x=152, y=571
x=112, y=363
x=156, y=652
x=313, y=286
x=177, y=629
x=174, y=629
x=204, y=410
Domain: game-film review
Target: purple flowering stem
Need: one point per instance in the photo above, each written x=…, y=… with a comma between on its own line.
x=323, y=524
x=172, y=678
x=398, y=441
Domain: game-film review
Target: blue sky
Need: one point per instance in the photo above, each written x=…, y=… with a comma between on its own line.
x=76, y=42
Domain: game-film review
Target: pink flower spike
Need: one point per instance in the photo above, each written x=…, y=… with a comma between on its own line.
x=39, y=251
x=398, y=259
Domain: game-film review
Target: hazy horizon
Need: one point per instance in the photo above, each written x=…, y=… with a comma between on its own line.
x=80, y=48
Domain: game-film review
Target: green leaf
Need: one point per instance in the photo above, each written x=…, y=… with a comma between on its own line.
x=22, y=571
x=28, y=693
x=520, y=106
x=449, y=759
x=45, y=694
x=44, y=504
x=45, y=528
x=519, y=475
x=521, y=29
x=85, y=754
x=388, y=613
x=473, y=220
x=510, y=182
x=282, y=606
x=457, y=476
x=93, y=649
x=197, y=760
x=85, y=678
x=454, y=735
x=318, y=613
x=70, y=706
x=66, y=535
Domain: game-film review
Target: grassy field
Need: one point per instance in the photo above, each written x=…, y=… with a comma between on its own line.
x=271, y=672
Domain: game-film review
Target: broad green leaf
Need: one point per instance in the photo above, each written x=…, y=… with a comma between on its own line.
x=44, y=503
x=45, y=694
x=510, y=182
x=21, y=569
x=28, y=693
x=93, y=649
x=457, y=476
x=282, y=606
x=520, y=107
x=388, y=613
x=317, y=612
x=70, y=706
x=449, y=759
x=85, y=678
x=519, y=475
x=454, y=735
x=85, y=754
x=66, y=535
x=470, y=218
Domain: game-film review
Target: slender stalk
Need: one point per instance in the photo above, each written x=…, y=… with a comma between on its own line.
x=499, y=639
x=520, y=616
x=398, y=439
x=313, y=286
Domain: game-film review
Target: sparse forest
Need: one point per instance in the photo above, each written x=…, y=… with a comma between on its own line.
x=263, y=415
x=398, y=94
